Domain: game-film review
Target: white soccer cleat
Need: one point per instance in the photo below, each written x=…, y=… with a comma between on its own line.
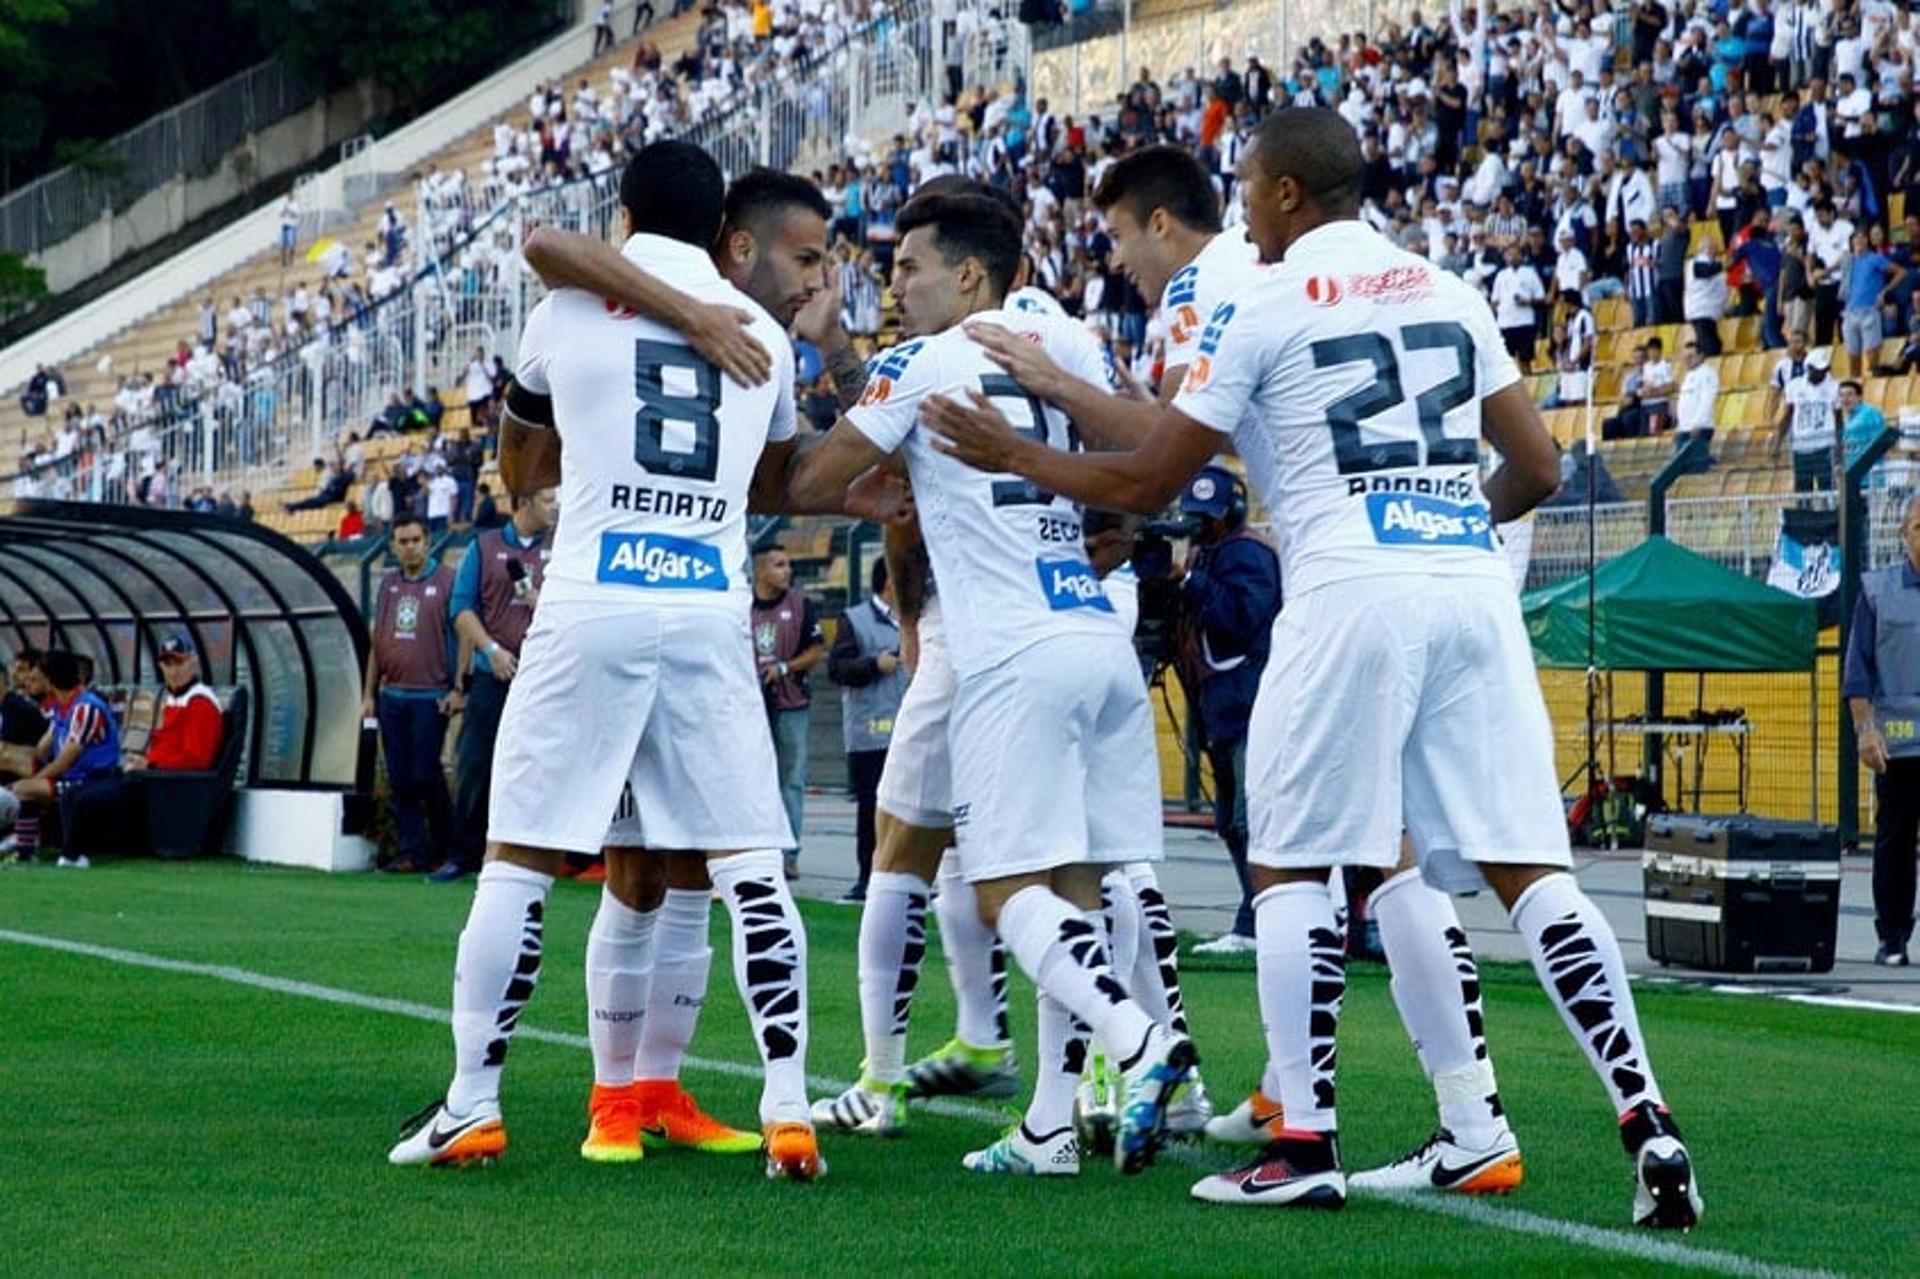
x=869, y=1108
x=1192, y=1110
x=76, y=862
x=1443, y=1164
x=1228, y=943
x=1021, y=1154
x=438, y=1138
x=1256, y=1121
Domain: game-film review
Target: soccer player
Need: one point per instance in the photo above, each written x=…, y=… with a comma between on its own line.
x=1402, y=692
x=642, y=1012
x=1163, y=215
x=638, y=671
x=1048, y=695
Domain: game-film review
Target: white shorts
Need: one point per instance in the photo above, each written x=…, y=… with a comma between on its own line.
x=916, y=782
x=1410, y=703
x=1054, y=760
x=661, y=700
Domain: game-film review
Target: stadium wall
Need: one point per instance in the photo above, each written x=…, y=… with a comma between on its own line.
x=72, y=334
x=277, y=149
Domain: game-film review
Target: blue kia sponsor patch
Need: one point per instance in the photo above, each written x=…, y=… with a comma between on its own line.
x=1071, y=584
x=1414, y=519
x=659, y=562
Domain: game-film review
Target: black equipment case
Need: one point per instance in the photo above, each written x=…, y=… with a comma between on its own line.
x=1737, y=894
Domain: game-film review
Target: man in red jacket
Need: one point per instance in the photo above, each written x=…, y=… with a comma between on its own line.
x=187, y=738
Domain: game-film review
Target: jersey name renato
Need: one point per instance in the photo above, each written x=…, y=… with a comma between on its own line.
x=658, y=446
x=1010, y=557
x=1354, y=372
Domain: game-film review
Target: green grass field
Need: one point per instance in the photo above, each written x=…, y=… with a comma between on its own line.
x=180, y=1121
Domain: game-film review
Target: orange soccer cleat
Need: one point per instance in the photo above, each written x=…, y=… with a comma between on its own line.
x=613, y=1125
x=793, y=1152
x=669, y=1115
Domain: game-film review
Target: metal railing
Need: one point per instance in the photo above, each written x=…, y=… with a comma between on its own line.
x=192, y=138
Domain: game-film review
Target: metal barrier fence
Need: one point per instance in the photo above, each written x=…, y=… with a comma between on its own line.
x=192, y=138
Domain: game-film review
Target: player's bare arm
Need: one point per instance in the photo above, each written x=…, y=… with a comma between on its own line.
x=1106, y=420
x=567, y=259
x=1530, y=470
x=907, y=568
x=1141, y=480
x=879, y=493
x=529, y=446
x=818, y=323
x=821, y=475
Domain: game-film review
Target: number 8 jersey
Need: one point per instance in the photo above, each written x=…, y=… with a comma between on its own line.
x=659, y=447
x=1354, y=370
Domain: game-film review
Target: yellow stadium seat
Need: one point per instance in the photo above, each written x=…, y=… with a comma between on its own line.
x=1755, y=414
x=1612, y=313
x=1728, y=411
x=1897, y=207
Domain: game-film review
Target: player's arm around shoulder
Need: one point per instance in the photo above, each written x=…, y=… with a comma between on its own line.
x=816, y=476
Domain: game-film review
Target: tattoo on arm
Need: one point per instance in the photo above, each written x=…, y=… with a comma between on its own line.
x=849, y=373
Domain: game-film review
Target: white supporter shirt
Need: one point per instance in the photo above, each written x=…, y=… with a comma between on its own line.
x=1010, y=558
x=1812, y=427
x=1358, y=369
x=655, y=487
x=1699, y=391
x=1515, y=290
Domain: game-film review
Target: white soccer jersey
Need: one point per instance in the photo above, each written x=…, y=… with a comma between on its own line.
x=1216, y=273
x=1362, y=367
x=1123, y=591
x=1037, y=300
x=659, y=446
x=1010, y=557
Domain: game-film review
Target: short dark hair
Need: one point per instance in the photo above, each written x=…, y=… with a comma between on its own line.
x=61, y=668
x=1857, y=388
x=954, y=184
x=673, y=188
x=1161, y=177
x=967, y=226
x=877, y=579
x=762, y=194
x=406, y=519
x=30, y=655
x=1317, y=148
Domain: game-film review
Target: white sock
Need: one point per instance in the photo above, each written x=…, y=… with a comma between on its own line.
x=976, y=963
x=494, y=973
x=1061, y=1057
x=1578, y=960
x=893, y=942
x=770, y=965
x=1436, y=986
x=681, y=961
x=1060, y=950
x=1302, y=978
x=1121, y=907
x=619, y=971
x=1156, y=969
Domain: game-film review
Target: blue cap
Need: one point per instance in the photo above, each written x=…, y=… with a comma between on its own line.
x=1209, y=493
x=175, y=646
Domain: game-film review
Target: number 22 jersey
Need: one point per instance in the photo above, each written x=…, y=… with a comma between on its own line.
x=1010, y=557
x=1354, y=371
x=659, y=447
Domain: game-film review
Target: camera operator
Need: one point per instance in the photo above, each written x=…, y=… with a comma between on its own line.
x=1229, y=599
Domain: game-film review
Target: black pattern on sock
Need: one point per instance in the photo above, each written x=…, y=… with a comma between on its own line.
x=911, y=957
x=772, y=994
x=997, y=965
x=1468, y=970
x=1327, y=956
x=526, y=976
x=1166, y=952
x=1578, y=979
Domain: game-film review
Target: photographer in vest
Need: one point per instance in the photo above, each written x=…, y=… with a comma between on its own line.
x=1228, y=602
x=410, y=690
x=865, y=662
x=494, y=592
x=787, y=644
x=1882, y=688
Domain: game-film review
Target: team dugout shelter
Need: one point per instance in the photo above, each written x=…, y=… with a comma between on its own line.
x=113, y=583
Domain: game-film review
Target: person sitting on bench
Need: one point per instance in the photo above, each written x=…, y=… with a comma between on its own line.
x=187, y=738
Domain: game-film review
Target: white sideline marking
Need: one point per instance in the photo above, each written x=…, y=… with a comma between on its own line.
x=1639, y=1246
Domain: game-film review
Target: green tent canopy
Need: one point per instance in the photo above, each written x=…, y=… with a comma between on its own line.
x=1663, y=608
